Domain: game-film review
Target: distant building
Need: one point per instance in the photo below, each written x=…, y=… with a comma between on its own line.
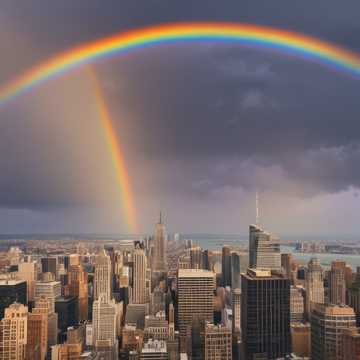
x=327, y=324
x=314, y=285
x=78, y=286
x=139, y=291
x=13, y=332
x=67, y=310
x=218, y=342
x=12, y=291
x=28, y=271
x=235, y=271
x=51, y=290
x=264, y=250
x=103, y=275
x=160, y=240
x=195, y=298
x=226, y=266
x=337, y=282
x=49, y=264
x=265, y=314
x=296, y=304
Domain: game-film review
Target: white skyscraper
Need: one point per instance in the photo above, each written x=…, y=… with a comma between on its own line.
x=103, y=274
x=159, y=259
x=314, y=285
x=264, y=250
x=138, y=290
x=104, y=326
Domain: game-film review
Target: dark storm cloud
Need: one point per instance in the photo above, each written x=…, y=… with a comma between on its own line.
x=218, y=115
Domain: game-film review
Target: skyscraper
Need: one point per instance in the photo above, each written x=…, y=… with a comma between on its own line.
x=104, y=326
x=218, y=342
x=314, y=285
x=103, y=275
x=78, y=286
x=138, y=290
x=49, y=264
x=264, y=250
x=13, y=333
x=296, y=303
x=12, y=291
x=226, y=266
x=28, y=271
x=236, y=310
x=350, y=344
x=195, y=298
x=50, y=290
x=235, y=270
x=159, y=257
x=327, y=324
x=337, y=282
x=265, y=314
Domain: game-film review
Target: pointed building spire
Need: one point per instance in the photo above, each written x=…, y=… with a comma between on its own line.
x=257, y=208
x=160, y=221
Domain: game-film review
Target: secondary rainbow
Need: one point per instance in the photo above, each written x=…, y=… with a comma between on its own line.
x=117, y=155
x=303, y=46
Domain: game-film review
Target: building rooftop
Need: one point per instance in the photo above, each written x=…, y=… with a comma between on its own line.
x=11, y=282
x=152, y=346
x=193, y=273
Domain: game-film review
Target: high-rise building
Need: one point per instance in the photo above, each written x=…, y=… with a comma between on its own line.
x=78, y=286
x=51, y=290
x=327, y=324
x=337, y=282
x=195, y=298
x=265, y=314
x=139, y=291
x=196, y=258
x=264, y=250
x=67, y=309
x=49, y=264
x=12, y=291
x=296, y=303
x=314, y=285
x=236, y=310
x=353, y=296
x=13, y=332
x=160, y=239
x=218, y=342
x=235, y=270
x=300, y=339
x=103, y=275
x=104, y=326
x=226, y=266
x=350, y=344
x=37, y=327
x=28, y=271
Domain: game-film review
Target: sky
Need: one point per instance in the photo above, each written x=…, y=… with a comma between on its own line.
x=202, y=126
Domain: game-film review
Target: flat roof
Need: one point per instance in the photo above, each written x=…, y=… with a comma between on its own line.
x=193, y=273
x=11, y=282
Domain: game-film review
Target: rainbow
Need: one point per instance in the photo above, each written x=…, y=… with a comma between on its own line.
x=116, y=154
x=300, y=45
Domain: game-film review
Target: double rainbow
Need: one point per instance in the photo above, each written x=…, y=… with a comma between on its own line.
x=302, y=46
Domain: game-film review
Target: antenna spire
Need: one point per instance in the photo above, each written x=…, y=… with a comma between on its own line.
x=257, y=207
x=160, y=220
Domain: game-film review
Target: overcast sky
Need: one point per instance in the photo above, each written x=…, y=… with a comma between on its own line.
x=202, y=125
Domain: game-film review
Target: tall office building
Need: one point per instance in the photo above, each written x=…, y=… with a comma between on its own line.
x=160, y=239
x=78, y=286
x=218, y=342
x=300, y=339
x=196, y=257
x=337, y=282
x=37, y=328
x=139, y=293
x=265, y=314
x=226, y=266
x=49, y=264
x=235, y=270
x=103, y=275
x=264, y=250
x=236, y=311
x=12, y=291
x=28, y=271
x=327, y=324
x=104, y=326
x=13, y=333
x=296, y=304
x=350, y=344
x=314, y=285
x=50, y=290
x=195, y=298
